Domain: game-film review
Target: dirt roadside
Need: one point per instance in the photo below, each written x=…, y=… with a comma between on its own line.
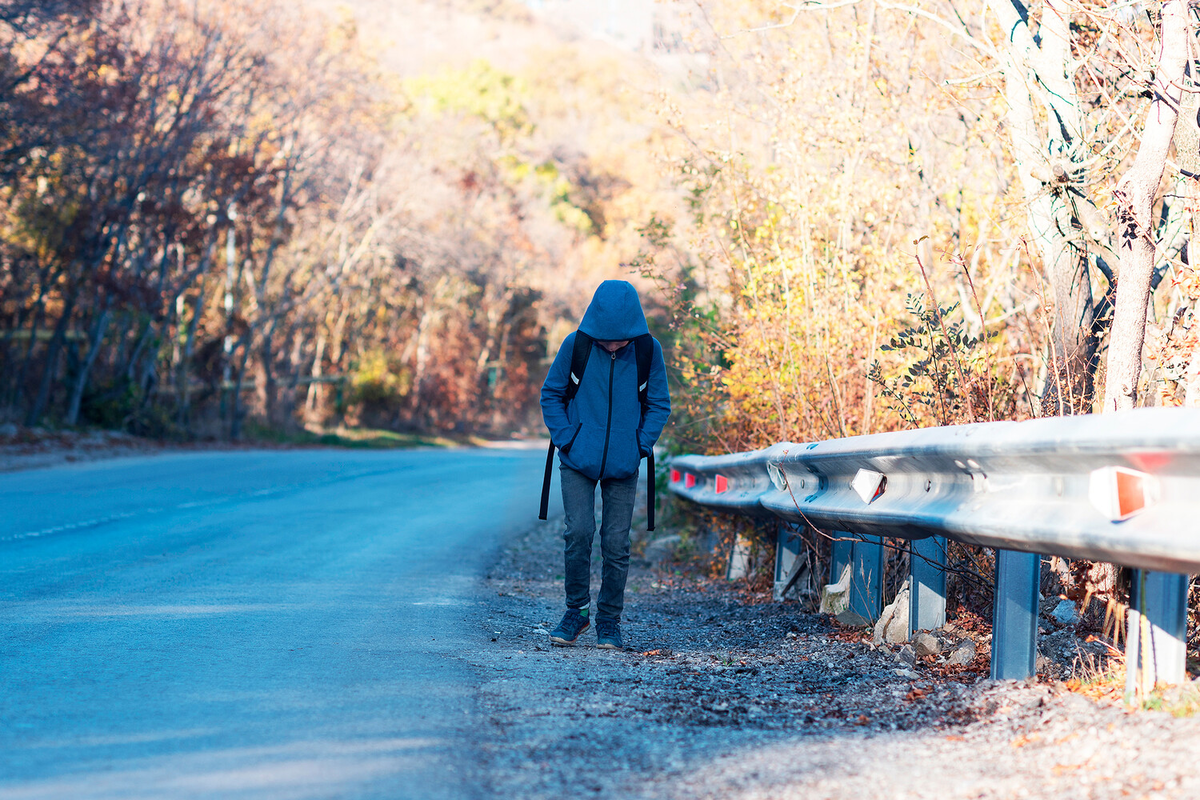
x=22, y=449
x=39, y=448
x=715, y=697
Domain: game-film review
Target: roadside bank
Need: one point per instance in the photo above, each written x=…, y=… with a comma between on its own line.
x=717, y=697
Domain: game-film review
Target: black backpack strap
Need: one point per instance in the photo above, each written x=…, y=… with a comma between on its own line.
x=545, y=507
x=644, y=349
x=650, y=490
x=580, y=352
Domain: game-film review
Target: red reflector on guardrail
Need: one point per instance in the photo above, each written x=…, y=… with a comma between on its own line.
x=722, y=484
x=689, y=480
x=675, y=476
x=1119, y=493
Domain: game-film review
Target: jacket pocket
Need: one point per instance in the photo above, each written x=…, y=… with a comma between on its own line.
x=585, y=451
x=566, y=448
x=623, y=454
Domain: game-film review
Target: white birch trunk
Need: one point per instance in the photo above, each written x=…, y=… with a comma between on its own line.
x=1135, y=197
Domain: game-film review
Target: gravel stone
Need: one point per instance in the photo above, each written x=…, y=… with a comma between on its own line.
x=1065, y=613
x=853, y=620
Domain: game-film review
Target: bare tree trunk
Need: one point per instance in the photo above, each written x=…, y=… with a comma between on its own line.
x=1135, y=199
x=422, y=354
x=135, y=356
x=266, y=391
x=1047, y=166
x=337, y=341
x=97, y=333
x=310, y=405
x=1070, y=384
x=183, y=379
x=51, y=368
x=295, y=361
x=235, y=405
x=39, y=314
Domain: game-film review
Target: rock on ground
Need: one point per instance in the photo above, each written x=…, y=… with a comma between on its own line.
x=926, y=644
x=892, y=625
x=963, y=654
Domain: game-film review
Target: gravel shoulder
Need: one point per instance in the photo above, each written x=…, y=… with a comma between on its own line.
x=718, y=696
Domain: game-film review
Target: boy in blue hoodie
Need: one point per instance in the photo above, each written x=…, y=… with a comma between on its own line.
x=602, y=433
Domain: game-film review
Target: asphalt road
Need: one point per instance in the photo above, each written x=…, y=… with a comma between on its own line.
x=252, y=624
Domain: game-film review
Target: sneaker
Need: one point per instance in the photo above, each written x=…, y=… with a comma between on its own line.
x=574, y=622
x=608, y=634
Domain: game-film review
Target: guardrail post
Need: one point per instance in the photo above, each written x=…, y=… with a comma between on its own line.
x=927, y=598
x=1014, y=615
x=739, y=559
x=866, y=580
x=787, y=556
x=1161, y=598
x=840, y=555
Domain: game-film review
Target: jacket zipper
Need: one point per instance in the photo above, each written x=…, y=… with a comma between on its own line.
x=608, y=424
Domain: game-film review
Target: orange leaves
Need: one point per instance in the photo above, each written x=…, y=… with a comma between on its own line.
x=1187, y=280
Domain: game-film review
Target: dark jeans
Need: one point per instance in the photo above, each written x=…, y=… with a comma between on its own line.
x=579, y=501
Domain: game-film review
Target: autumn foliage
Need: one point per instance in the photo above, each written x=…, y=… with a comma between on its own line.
x=900, y=216
x=847, y=218
x=224, y=211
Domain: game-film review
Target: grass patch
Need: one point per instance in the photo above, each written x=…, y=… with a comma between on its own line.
x=1100, y=680
x=1106, y=682
x=1178, y=701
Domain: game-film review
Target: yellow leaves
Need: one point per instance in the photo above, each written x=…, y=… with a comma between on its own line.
x=482, y=91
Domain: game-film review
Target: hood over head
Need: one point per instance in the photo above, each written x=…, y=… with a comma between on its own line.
x=615, y=313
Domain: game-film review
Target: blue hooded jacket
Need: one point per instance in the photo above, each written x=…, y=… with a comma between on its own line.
x=602, y=431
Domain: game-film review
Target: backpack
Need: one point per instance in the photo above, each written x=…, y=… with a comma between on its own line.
x=644, y=350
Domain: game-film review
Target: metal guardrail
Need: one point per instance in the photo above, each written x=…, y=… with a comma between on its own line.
x=1123, y=488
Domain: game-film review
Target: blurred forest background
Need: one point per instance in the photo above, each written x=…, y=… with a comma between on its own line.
x=219, y=217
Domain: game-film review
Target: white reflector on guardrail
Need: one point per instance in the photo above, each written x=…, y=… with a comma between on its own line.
x=868, y=484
